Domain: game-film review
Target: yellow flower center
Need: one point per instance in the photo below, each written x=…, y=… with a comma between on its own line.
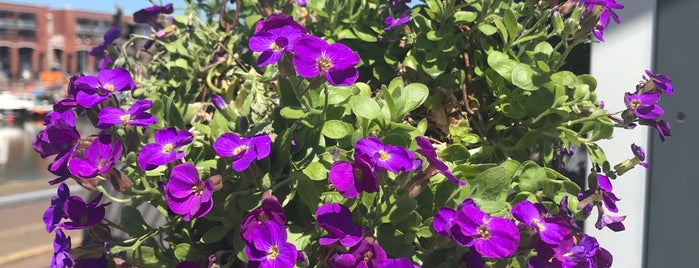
x=368, y=256
x=383, y=155
x=324, y=63
x=240, y=149
x=635, y=104
x=273, y=252
x=126, y=118
x=109, y=87
x=483, y=232
x=198, y=189
x=539, y=225
x=274, y=47
x=167, y=148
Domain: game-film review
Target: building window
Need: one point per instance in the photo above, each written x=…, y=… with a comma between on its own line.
x=82, y=62
x=27, y=33
x=25, y=63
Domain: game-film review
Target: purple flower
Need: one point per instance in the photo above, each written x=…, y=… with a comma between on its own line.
x=186, y=194
x=61, y=251
x=59, y=135
x=104, y=63
x=337, y=220
x=605, y=200
x=243, y=150
x=55, y=211
x=435, y=164
x=352, y=178
x=98, y=158
x=549, y=232
x=390, y=157
x=607, y=14
x=270, y=212
x=657, y=82
x=164, y=149
x=151, y=14
x=269, y=247
x=444, y=218
x=95, y=89
x=219, y=102
x=640, y=155
x=136, y=115
x=275, y=21
x=644, y=105
x=313, y=56
x=109, y=37
x=492, y=237
x=302, y=3
x=83, y=215
x=395, y=22
x=274, y=43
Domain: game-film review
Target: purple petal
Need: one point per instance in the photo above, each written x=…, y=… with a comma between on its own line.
x=341, y=56
x=226, y=144
x=244, y=162
x=261, y=41
x=341, y=176
x=89, y=100
x=263, y=146
x=119, y=78
x=110, y=116
x=526, y=212
x=344, y=77
x=503, y=241
x=307, y=51
x=82, y=168
x=604, y=183
x=443, y=220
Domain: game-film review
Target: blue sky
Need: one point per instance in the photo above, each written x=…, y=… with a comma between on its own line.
x=107, y=6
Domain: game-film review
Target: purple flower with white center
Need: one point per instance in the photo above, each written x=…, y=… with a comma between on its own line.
x=243, y=150
x=82, y=215
x=61, y=251
x=640, y=155
x=93, y=90
x=55, y=212
x=435, y=164
x=269, y=247
x=98, y=158
x=164, y=149
x=337, y=220
x=350, y=179
x=186, y=194
x=390, y=157
x=151, y=14
x=277, y=20
x=136, y=115
x=606, y=14
x=605, y=200
x=392, y=22
x=274, y=43
x=644, y=105
x=656, y=82
x=270, y=212
x=492, y=237
x=314, y=56
x=549, y=232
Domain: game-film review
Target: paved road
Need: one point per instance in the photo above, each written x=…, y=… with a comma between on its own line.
x=25, y=242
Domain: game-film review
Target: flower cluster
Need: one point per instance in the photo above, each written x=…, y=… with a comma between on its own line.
x=642, y=105
x=264, y=233
x=312, y=56
x=80, y=215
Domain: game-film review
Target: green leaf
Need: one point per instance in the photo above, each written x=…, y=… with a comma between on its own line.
x=532, y=177
x=365, y=106
x=185, y=252
x=487, y=29
x=522, y=77
x=316, y=171
x=132, y=221
x=292, y=112
x=511, y=23
x=306, y=189
x=564, y=78
x=465, y=16
x=501, y=63
x=212, y=235
x=336, y=129
x=455, y=153
x=544, y=48
x=494, y=182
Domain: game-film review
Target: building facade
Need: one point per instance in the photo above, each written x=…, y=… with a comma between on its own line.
x=34, y=39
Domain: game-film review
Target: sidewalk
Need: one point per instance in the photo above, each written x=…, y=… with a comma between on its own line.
x=25, y=240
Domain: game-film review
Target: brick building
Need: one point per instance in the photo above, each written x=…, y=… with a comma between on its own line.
x=35, y=39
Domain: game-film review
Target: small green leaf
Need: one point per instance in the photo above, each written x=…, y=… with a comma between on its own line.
x=132, y=221
x=365, y=106
x=212, y=235
x=292, y=113
x=501, y=63
x=336, y=129
x=522, y=77
x=465, y=16
x=316, y=171
x=487, y=29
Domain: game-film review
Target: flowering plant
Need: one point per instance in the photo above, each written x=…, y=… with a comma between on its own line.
x=344, y=134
